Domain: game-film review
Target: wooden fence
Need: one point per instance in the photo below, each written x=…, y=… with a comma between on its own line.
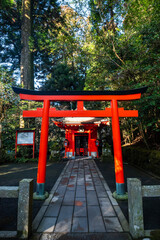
x=135, y=205
x=24, y=193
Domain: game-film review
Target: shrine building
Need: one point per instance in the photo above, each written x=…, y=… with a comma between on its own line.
x=81, y=136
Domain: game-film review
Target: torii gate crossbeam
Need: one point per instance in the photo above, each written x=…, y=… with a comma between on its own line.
x=114, y=112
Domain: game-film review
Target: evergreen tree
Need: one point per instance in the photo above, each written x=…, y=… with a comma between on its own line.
x=24, y=26
x=26, y=64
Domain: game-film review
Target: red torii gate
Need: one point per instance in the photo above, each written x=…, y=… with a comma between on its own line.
x=80, y=96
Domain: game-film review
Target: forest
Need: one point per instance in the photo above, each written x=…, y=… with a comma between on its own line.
x=80, y=45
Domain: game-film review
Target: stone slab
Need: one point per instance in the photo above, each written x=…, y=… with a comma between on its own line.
x=38, y=218
x=106, y=207
x=84, y=205
x=97, y=181
x=89, y=185
x=56, y=200
x=53, y=210
x=64, y=181
x=71, y=187
x=105, y=185
x=101, y=192
x=92, y=198
x=80, y=191
x=72, y=180
x=82, y=236
x=80, y=224
x=80, y=181
x=69, y=198
x=8, y=234
x=88, y=177
x=60, y=191
x=59, y=179
x=64, y=220
x=47, y=224
x=48, y=200
x=113, y=201
x=80, y=208
x=112, y=224
x=9, y=192
x=122, y=218
x=95, y=174
x=95, y=220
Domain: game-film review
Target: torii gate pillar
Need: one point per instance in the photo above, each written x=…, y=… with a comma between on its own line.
x=118, y=162
x=41, y=175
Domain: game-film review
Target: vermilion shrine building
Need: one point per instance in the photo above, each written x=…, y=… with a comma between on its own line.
x=80, y=96
x=81, y=139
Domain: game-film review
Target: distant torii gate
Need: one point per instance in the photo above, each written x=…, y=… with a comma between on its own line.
x=80, y=96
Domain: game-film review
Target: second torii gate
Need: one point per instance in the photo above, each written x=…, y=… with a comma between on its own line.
x=114, y=112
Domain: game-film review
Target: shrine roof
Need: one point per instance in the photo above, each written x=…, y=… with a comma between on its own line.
x=87, y=125
x=108, y=92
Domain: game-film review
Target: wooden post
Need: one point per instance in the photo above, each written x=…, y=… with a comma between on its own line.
x=73, y=144
x=89, y=142
x=118, y=162
x=16, y=146
x=135, y=207
x=41, y=175
x=24, y=219
x=33, y=143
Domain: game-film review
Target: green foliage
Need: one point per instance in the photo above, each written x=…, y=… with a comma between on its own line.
x=9, y=109
x=10, y=41
x=54, y=149
x=106, y=153
x=115, y=46
x=45, y=19
x=25, y=160
x=63, y=78
x=146, y=159
x=6, y=156
x=124, y=45
x=7, y=3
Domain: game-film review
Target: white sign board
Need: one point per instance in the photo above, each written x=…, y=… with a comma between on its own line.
x=25, y=138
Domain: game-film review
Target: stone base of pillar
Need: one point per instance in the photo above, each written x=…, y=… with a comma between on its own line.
x=120, y=193
x=40, y=197
x=40, y=194
x=120, y=197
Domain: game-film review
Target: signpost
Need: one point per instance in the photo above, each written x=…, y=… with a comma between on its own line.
x=25, y=137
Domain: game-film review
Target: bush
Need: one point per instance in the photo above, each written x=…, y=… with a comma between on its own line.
x=146, y=159
x=6, y=156
x=25, y=160
x=107, y=153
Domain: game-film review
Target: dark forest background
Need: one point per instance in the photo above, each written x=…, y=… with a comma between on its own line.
x=94, y=45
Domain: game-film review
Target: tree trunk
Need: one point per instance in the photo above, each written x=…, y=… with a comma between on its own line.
x=0, y=135
x=1, y=116
x=27, y=77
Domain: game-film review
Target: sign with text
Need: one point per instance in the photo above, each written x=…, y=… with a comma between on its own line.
x=25, y=137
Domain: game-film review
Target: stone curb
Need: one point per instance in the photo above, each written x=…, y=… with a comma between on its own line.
x=117, y=209
x=43, y=208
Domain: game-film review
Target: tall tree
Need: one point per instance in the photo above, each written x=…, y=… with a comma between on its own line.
x=26, y=64
x=25, y=25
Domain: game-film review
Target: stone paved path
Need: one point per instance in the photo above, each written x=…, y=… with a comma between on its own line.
x=80, y=202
